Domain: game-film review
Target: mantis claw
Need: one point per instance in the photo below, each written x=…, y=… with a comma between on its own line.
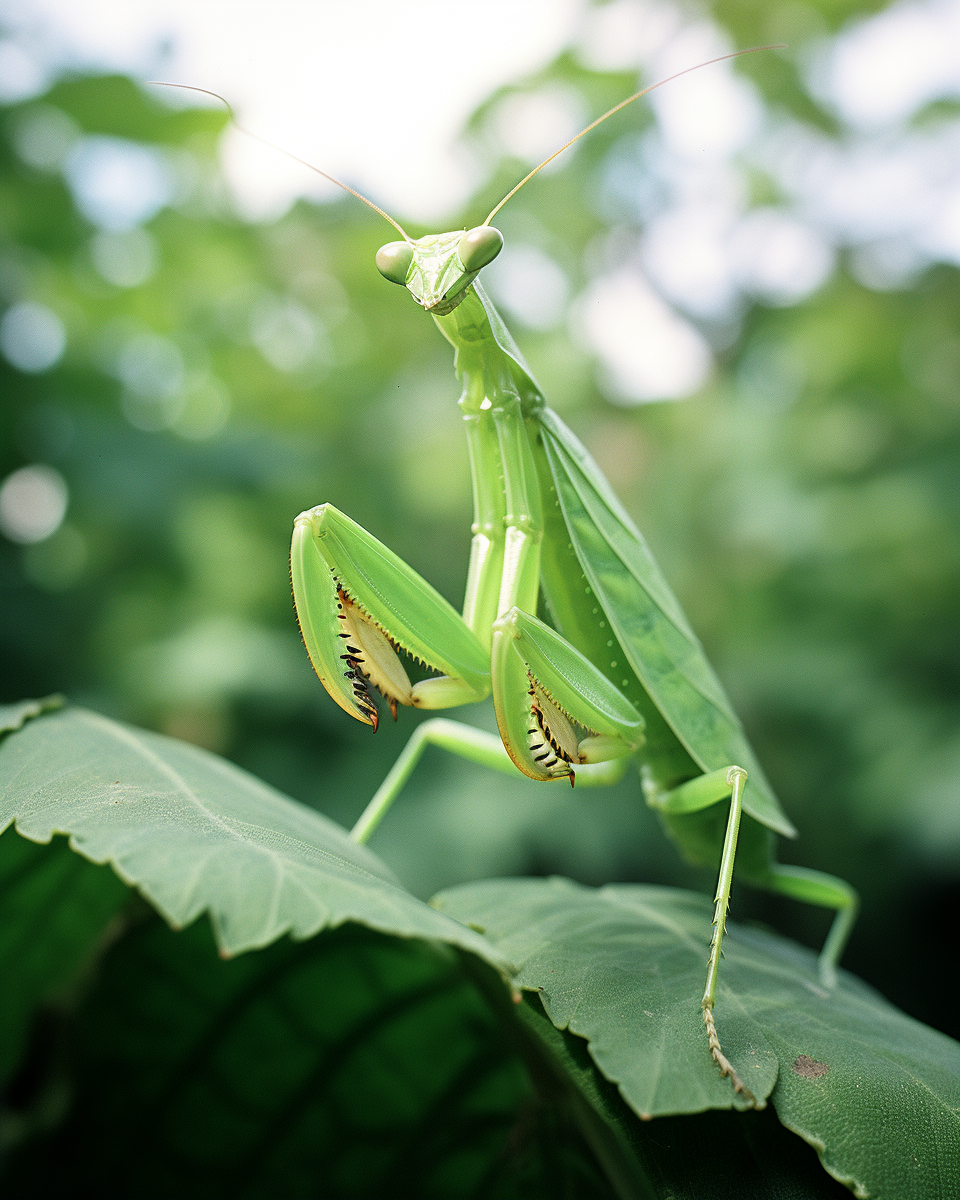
x=532, y=667
x=358, y=604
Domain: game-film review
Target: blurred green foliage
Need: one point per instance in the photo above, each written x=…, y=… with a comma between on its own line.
x=219, y=377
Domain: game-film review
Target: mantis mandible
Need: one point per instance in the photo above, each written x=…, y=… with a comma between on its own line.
x=620, y=676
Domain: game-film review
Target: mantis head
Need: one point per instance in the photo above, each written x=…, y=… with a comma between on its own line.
x=438, y=269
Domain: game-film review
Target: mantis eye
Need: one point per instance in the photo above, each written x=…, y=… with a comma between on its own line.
x=393, y=261
x=479, y=246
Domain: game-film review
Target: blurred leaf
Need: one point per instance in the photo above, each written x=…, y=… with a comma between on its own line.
x=350, y=1065
x=876, y=1093
x=195, y=834
x=54, y=908
x=118, y=107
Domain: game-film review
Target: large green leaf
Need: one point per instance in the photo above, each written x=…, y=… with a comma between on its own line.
x=351, y=1065
x=359, y=1065
x=627, y=973
x=875, y=1092
x=195, y=834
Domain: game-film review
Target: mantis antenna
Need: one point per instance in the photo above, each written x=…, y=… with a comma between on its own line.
x=616, y=108
x=186, y=87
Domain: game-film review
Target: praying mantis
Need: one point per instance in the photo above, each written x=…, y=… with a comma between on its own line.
x=617, y=677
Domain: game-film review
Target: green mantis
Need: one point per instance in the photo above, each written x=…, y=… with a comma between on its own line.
x=616, y=678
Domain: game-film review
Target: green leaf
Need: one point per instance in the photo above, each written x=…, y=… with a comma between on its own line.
x=14, y=716
x=54, y=908
x=195, y=834
x=627, y=973
x=875, y=1092
x=351, y=1065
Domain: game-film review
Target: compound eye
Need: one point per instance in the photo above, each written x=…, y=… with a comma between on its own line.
x=479, y=246
x=393, y=261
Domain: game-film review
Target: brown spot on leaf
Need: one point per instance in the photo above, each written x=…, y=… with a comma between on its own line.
x=809, y=1068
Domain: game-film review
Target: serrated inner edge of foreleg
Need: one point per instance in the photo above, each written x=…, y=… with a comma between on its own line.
x=399, y=648
x=354, y=660
x=362, y=671
x=551, y=746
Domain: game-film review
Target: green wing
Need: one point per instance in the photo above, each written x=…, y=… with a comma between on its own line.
x=648, y=622
x=527, y=387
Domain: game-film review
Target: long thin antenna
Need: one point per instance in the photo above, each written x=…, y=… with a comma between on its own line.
x=616, y=108
x=273, y=146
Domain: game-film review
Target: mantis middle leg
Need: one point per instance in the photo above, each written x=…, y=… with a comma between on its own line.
x=474, y=745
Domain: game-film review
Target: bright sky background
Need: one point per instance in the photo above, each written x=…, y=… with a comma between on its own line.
x=376, y=91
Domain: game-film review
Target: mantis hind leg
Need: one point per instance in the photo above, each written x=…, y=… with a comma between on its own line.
x=700, y=793
x=826, y=891
x=799, y=883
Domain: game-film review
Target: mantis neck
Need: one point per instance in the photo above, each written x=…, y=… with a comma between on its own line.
x=487, y=358
x=499, y=393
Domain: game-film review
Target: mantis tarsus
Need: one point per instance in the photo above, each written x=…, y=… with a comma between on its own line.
x=619, y=676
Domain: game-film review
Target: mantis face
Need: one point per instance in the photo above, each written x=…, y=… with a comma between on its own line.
x=438, y=269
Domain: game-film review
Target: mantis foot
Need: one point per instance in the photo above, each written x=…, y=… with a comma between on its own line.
x=724, y=1063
